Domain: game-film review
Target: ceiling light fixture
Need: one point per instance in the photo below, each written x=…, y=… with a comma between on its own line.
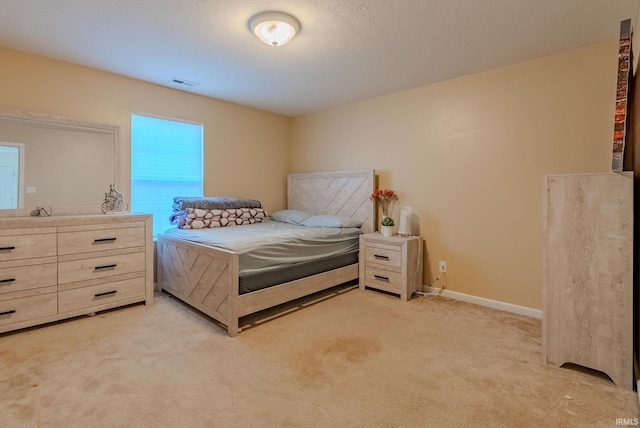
x=274, y=28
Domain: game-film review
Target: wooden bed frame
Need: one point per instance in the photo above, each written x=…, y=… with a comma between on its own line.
x=206, y=278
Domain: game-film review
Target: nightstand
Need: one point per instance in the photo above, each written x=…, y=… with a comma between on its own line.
x=391, y=263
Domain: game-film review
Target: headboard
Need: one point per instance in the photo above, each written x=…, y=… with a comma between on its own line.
x=344, y=193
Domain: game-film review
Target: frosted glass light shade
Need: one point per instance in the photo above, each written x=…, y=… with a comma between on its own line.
x=274, y=28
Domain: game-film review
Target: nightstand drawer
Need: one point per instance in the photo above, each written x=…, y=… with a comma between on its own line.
x=28, y=308
x=96, y=295
x=382, y=279
x=383, y=256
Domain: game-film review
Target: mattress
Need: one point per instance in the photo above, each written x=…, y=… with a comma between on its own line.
x=274, y=244
x=255, y=281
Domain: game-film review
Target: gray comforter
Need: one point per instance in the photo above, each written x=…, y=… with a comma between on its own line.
x=274, y=244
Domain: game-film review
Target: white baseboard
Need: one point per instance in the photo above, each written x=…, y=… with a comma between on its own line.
x=495, y=304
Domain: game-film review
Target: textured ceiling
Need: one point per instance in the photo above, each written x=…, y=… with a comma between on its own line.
x=347, y=50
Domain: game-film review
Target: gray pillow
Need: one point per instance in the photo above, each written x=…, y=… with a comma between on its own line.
x=290, y=216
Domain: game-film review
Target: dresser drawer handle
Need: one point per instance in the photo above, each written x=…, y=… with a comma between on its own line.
x=7, y=248
x=379, y=257
x=381, y=278
x=105, y=267
x=104, y=240
x=12, y=311
x=105, y=294
x=7, y=280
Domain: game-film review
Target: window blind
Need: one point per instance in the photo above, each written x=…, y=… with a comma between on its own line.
x=166, y=161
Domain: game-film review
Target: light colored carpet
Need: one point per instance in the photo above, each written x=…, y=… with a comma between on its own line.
x=357, y=359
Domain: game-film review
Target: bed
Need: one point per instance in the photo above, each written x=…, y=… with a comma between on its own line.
x=207, y=277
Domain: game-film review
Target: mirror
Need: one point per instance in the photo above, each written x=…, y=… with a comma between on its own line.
x=53, y=161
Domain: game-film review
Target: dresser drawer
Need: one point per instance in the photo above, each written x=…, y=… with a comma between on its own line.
x=83, y=241
x=383, y=256
x=382, y=279
x=96, y=295
x=100, y=267
x=28, y=245
x=28, y=308
x=26, y=277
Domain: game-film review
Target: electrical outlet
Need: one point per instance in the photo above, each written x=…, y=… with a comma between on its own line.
x=442, y=266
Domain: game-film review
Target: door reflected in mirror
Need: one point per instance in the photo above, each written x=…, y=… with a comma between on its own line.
x=10, y=156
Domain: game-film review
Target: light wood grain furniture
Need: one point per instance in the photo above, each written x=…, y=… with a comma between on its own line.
x=207, y=278
x=52, y=268
x=391, y=263
x=588, y=273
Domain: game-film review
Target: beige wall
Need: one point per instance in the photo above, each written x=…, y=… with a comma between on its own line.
x=247, y=151
x=469, y=155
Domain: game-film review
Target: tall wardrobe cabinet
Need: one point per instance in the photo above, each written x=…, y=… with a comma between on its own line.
x=588, y=273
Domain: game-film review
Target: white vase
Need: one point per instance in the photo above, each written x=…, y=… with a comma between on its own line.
x=386, y=230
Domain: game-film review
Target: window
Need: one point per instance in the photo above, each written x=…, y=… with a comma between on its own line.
x=166, y=161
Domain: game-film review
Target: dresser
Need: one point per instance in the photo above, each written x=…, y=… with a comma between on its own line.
x=391, y=264
x=53, y=268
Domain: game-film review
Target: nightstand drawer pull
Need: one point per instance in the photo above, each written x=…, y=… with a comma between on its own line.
x=12, y=311
x=105, y=267
x=7, y=280
x=106, y=293
x=379, y=257
x=103, y=240
x=381, y=278
x=7, y=248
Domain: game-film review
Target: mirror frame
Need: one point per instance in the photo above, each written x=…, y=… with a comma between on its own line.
x=59, y=120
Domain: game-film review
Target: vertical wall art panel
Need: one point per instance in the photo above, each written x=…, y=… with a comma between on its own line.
x=622, y=95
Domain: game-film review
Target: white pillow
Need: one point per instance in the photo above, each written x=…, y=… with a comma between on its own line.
x=326, y=220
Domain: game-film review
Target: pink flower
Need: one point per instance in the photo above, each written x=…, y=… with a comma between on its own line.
x=385, y=198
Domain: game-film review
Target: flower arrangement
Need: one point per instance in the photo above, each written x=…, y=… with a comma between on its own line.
x=385, y=198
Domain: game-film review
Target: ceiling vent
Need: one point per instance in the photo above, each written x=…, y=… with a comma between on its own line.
x=183, y=82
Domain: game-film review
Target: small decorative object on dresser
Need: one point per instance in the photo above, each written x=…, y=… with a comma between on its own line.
x=44, y=211
x=113, y=201
x=392, y=264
